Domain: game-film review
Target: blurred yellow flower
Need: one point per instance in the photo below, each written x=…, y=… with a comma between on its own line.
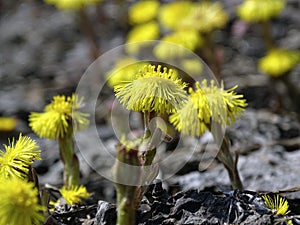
x=143, y=11
x=74, y=195
x=124, y=71
x=205, y=17
x=139, y=34
x=152, y=90
x=192, y=66
x=61, y=113
x=277, y=203
x=184, y=39
x=19, y=203
x=172, y=13
x=71, y=4
x=207, y=104
x=279, y=62
x=18, y=157
x=7, y=123
x=258, y=11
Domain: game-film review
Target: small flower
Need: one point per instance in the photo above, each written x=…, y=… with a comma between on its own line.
x=7, y=123
x=205, y=17
x=75, y=195
x=172, y=13
x=140, y=34
x=184, y=39
x=152, y=90
x=18, y=157
x=124, y=71
x=71, y=4
x=258, y=11
x=207, y=104
x=279, y=204
x=19, y=203
x=54, y=122
x=279, y=62
x=143, y=11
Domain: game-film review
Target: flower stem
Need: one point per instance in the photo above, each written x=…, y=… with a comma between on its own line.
x=230, y=164
x=69, y=158
x=267, y=34
x=90, y=33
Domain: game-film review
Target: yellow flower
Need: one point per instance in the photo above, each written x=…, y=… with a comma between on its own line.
x=195, y=115
x=152, y=90
x=277, y=203
x=19, y=203
x=71, y=4
x=172, y=13
x=18, y=157
x=124, y=71
x=74, y=195
x=279, y=61
x=53, y=123
x=258, y=11
x=207, y=104
x=139, y=34
x=143, y=11
x=205, y=17
x=7, y=123
x=185, y=39
x=192, y=66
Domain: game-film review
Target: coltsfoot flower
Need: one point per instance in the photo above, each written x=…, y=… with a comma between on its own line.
x=140, y=34
x=172, y=13
x=183, y=39
x=18, y=157
x=19, y=203
x=279, y=204
x=75, y=194
x=143, y=11
x=205, y=17
x=54, y=122
x=152, y=89
x=207, y=104
x=124, y=71
x=279, y=61
x=71, y=4
x=258, y=11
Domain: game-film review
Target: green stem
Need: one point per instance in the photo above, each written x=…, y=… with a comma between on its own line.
x=230, y=164
x=69, y=159
x=267, y=34
x=126, y=194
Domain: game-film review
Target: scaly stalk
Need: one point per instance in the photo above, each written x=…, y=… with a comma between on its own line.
x=69, y=159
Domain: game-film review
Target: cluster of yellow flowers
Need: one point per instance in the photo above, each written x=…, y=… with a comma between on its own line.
x=163, y=92
x=19, y=196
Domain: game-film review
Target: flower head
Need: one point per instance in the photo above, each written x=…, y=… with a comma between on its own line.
x=71, y=4
x=124, y=71
x=18, y=157
x=143, y=11
x=58, y=116
x=172, y=13
x=207, y=104
x=75, y=194
x=279, y=204
x=141, y=33
x=182, y=40
x=152, y=90
x=279, y=61
x=19, y=203
x=205, y=17
x=7, y=123
x=258, y=11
